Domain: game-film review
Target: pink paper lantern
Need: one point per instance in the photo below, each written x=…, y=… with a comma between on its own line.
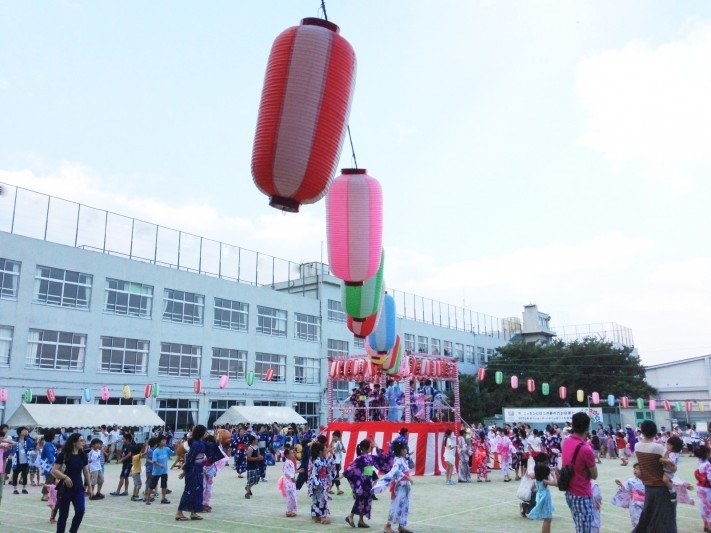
x=624, y=402
x=197, y=386
x=3, y=395
x=531, y=385
x=105, y=393
x=51, y=396
x=596, y=398
x=652, y=404
x=562, y=393
x=303, y=114
x=270, y=374
x=514, y=382
x=688, y=406
x=224, y=380
x=354, y=217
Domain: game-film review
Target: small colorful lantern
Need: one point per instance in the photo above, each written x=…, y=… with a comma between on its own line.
x=224, y=380
x=126, y=392
x=652, y=404
x=531, y=385
x=580, y=395
x=105, y=393
x=679, y=406
x=624, y=402
x=611, y=400
x=667, y=405
x=595, y=398
x=250, y=378
x=562, y=393
x=269, y=375
x=147, y=391
x=640, y=403
x=156, y=390
x=546, y=389
x=51, y=397
x=360, y=301
x=354, y=217
x=197, y=386
x=303, y=114
x=88, y=395
x=3, y=395
x=688, y=406
x=362, y=327
x=27, y=396
x=383, y=338
x=499, y=377
x=701, y=406
x=481, y=373
x=514, y=382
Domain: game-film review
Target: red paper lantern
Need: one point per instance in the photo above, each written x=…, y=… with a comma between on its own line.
x=562, y=393
x=667, y=405
x=270, y=374
x=531, y=385
x=51, y=397
x=481, y=373
x=354, y=216
x=624, y=402
x=303, y=114
x=147, y=391
x=197, y=386
x=362, y=327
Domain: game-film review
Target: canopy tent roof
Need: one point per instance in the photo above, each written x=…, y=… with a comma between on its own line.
x=240, y=414
x=83, y=415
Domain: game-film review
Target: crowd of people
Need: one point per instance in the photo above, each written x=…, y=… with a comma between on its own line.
x=370, y=402
x=68, y=469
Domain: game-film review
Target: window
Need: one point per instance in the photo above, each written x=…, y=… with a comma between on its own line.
x=336, y=347
x=471, y=358
x=228, y=362
x=58, y=400
x=459, y=351
x=271, y=321
x=268, y=403
x=335, y=311
x=128, y=298
x=341, y=391
x=359, y=342
x=481, y=355
x=118, y=400
x=230, y=314
x=310, y=411
x=5, y=345
x=265, y=361
x=447, y=347
x=308, y=327
x=422, y=344
x=307, y=370
x=218, y=408
x=179, y=360
x=54, y=286
x=9, y=278
x=183, y=307
x=58, y=350
x=124, y=356
x=181, y=415
x=409, y=343
x=489, y=353
x=435, y=346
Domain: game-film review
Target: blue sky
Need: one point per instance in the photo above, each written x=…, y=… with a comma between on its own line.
x=550, y=152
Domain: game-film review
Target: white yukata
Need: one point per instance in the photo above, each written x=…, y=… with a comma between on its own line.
x=399, y=491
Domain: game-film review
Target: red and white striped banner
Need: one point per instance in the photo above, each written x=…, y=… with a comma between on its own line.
x=424, y=438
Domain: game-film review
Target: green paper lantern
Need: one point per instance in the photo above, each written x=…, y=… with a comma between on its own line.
x=499, y=377
x=28, y=396
x=679, y=406
x=545, y=389
x=156, y=388
x=250, y=377
x=640, y=403
x=362, y=301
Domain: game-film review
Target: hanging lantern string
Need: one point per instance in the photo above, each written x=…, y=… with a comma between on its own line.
x=350, y=137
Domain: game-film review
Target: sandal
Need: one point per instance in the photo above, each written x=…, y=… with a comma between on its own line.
x=181, y=518
x=363, y=524
x=350, y=521
x=195, y=517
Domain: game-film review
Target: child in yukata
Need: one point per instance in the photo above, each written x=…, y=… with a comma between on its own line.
x=319, y=482
x=399, y=482
x=597, y=507
x=290, y=481
x=678, y=489
x=630, y=495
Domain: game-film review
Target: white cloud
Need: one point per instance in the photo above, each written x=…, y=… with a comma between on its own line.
x=649, y=106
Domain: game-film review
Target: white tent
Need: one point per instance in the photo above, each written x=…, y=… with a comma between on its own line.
x=240, y=414
x=82, y=415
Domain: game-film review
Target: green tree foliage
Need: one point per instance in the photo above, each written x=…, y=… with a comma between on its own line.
x=590, y=365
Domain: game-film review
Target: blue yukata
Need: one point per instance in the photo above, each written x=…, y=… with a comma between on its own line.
x=191, y=500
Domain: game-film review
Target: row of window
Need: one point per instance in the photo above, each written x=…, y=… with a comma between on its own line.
x=461, y=352
x=63, y=350
x=65, y=288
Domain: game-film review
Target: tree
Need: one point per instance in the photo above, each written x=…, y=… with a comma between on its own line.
x=590, y=365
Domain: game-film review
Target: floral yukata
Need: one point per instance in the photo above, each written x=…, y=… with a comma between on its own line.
x=360, y=474
x=399, y=491
x=320, y=480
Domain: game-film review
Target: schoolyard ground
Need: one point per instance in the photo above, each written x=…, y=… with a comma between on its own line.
x=435, y=507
